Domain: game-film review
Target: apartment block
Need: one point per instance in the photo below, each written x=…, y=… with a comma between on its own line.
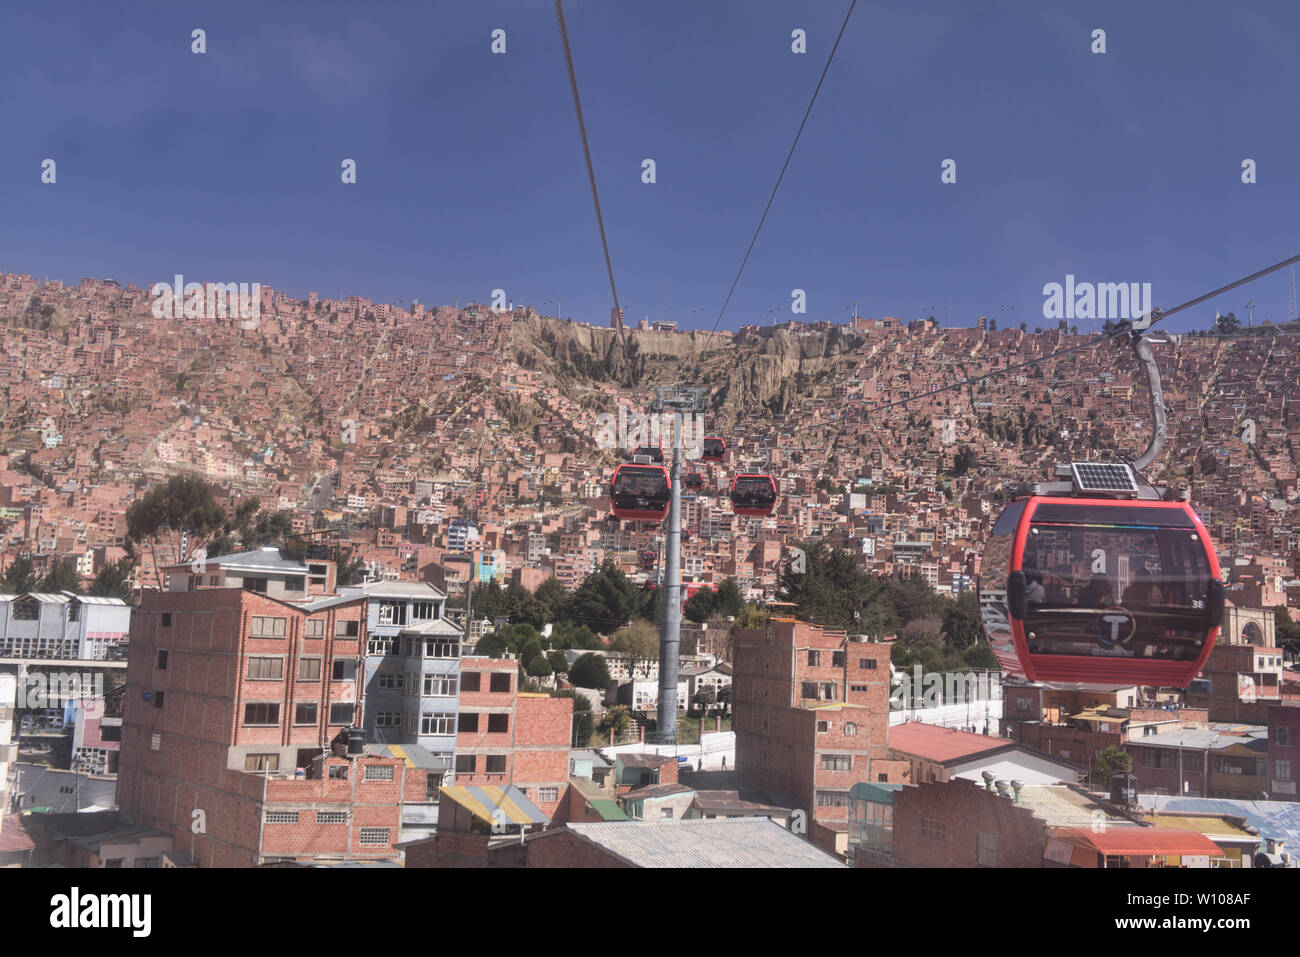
x=811, y=716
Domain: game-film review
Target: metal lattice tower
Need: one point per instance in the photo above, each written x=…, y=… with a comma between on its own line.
x=1291, y=315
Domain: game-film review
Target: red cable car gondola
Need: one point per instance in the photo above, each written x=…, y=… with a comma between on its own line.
x=1100, y=589
x=753, y=495
x=693, y=480
x=655, y=453
x=640, y=492
x=713, y=449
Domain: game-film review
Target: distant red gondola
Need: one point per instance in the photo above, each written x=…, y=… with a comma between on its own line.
x=753, y=495
x=640, y=492
x=713, y=449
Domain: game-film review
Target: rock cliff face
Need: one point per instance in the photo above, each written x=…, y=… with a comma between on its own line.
x=770, y=370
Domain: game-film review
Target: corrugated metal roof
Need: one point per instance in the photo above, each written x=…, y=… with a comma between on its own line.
x=1275, y=819
x=1142, y=841
x=703, y=842
x=482, y=801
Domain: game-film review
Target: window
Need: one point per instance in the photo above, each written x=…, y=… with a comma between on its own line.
x=828, y=691
x=331, y=817
x=295, y=583
x=261, y=714
x=309, y=669
x=837, y=659
x=466, y=763
x=281, y=817
x=422, y=610
x=28, y=611
x=814, y=658
x=441, y=648
x=392, y=613
x=388, y=680
x=166, y=619
x=1282, y=736
x=837, y=762
x=261, y=762
x=548, y=794
x=306, y=712
x=500, y=682
x=471, y=681
x=439, y=686
x=850, y=728
x=1022, y=704
x=823, y=726
x=868, y=663
x=314, y=628
x=388, y=719
x=255, y=584
x=832, y=798
x=859, y=688
x=158, y=698
x=378, y=772
x=665, y=812
x=346, y=629
x=162, y=660
x=498, y=723
x=808, y=689
x=1283, y=770
x=467, y=721
x=437, y=722
x=340, y=670
x=496, y=764
x=986, y=849
x=265, y=669
x=338, y=771
x=431, y=784
x=266, y=627
x=932, y=830
x=374, y=836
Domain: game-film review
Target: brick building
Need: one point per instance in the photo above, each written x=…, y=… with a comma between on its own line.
x=811, y=719
x=1283, y=751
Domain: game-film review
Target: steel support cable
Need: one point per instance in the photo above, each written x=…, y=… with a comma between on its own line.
x=586, y=147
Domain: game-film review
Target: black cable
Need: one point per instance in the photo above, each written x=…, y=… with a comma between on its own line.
x=1120, y=328
x=786, y=166
x=586, y=148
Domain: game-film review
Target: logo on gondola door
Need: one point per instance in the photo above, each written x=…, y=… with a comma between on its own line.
x=1098, y=561
x=1110, y=626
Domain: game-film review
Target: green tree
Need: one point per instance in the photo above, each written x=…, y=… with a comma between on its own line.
x=559, y=663
x=19, y=577
x=552, y=595
x=1225, y=325
x=618, y=719
x=590, y=671
x=538, y=666
x=62, y=576
x=961, y=622
x=699, y=606
x=639, y=641
x=727, y=600
x=493, y=646
x=835, y=591
x=182, y=509
x=114, y=581
x=1111, y=760
x=606, y=600
x=566, y=635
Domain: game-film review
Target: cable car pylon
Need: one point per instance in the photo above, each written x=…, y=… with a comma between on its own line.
x=682, y=401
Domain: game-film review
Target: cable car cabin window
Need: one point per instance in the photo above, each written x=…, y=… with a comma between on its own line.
x=1115, y=591
x=753, y=492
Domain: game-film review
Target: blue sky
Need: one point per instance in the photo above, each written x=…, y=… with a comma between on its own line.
x=1121, y=167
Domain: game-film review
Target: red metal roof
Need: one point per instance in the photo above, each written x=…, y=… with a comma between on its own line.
x=937, y=743
x=1142, y=841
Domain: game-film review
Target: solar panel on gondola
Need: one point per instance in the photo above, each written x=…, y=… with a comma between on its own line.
x=640, y=492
